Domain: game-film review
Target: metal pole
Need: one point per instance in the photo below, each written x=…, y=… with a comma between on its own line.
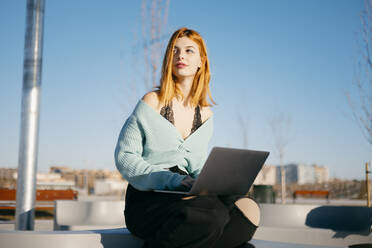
x=367, y=186
x=28, y=147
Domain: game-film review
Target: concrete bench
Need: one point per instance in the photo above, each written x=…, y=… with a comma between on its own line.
x=109, y=238
x=315, y=224
x=88, y=215
x=337, y=218
x=312, y=236
x=301, y=224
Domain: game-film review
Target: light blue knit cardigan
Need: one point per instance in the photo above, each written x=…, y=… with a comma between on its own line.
x=149, y=144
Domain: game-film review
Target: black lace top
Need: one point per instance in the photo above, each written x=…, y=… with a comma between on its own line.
x=167, y=112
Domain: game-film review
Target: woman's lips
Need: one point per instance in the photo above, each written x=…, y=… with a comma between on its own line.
x=181, y=65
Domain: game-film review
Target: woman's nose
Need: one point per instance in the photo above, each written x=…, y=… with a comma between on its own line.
x=181, y=55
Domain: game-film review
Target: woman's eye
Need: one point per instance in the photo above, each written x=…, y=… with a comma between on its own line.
x=189, y=50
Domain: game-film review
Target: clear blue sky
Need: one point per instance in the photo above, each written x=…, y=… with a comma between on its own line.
x=266, y=57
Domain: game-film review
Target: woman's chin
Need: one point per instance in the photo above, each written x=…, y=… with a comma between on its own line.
x=181, y=76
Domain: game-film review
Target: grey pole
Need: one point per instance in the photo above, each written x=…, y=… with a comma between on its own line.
x=28, y=147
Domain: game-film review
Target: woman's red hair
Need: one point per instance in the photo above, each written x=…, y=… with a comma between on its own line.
x=200, y=86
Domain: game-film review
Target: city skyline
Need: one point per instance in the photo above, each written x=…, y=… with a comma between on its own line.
x=292, y=57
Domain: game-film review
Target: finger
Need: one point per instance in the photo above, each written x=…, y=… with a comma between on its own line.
x=185, y=183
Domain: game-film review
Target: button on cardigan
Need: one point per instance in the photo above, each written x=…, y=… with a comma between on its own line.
x=148, y=145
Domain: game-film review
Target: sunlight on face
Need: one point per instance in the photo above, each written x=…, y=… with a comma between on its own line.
x=186, y=58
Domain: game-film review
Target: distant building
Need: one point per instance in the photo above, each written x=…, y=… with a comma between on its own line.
x=40, y=176
x=109, y=186
x=291, y=173
x=7, y=178
x=60, y=169
x=57, y=185
x=306, y=174
x=321, y=174
x=266, y=176
x=51, y=181
x=91, y=179
x=102, y=181
x=303, y=174
x=7, y=173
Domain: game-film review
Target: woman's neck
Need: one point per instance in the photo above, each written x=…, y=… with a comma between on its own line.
x=185, y=87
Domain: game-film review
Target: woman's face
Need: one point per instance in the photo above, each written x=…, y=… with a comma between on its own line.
x=186, y=58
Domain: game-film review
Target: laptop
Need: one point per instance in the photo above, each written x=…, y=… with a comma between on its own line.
x=227, y=171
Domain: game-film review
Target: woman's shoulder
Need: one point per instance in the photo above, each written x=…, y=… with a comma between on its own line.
x=152, y=99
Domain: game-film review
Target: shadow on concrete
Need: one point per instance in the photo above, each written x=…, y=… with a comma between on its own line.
x=361, y=246
x=117, y=237
x=344, y=220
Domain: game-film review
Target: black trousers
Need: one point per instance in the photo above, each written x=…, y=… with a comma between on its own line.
x=175, y=220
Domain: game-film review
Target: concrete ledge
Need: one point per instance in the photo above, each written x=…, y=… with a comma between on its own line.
x=88, y=215
x=338, y=226
x=114, y=238
x=337, y=218
x=315, y=224
x=111, y=238
x=312, y=236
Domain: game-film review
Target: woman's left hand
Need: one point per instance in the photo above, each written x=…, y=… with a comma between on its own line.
x=188, y=181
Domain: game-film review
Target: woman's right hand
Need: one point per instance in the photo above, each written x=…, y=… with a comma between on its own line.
x=188, y=181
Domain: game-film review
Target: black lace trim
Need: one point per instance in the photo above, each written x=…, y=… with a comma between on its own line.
x=167, y=112
x=197, y=120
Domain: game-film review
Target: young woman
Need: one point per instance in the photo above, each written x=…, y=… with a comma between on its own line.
x=163, y=145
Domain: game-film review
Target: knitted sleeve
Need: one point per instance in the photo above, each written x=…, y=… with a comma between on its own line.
x=138, y=172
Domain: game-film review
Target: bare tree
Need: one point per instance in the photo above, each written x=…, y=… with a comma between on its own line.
x=145, y=57
x=280, y=127
x=361, y=103
x=154, y=20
